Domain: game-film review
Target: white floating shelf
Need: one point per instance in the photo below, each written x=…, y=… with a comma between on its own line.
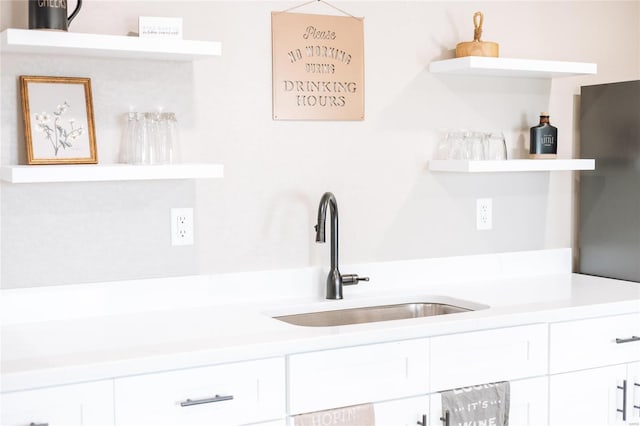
x=510, y=67
x=98, y=45
x=108, y=172
x=525, y=165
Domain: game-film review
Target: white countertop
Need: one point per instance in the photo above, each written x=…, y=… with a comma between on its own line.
x=62, y=348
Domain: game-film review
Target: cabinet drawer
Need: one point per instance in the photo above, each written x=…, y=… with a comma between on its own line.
x=201, y=396
x=402, y=412
x=576, y=345
x=527, y=403
x=488, y=356
x=349, y=376
x=87, y=404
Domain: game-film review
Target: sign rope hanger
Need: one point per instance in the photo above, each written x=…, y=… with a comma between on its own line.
x=321, y=1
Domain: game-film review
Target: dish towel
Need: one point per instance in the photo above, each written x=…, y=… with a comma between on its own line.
x=355, y=415
x=482, y=405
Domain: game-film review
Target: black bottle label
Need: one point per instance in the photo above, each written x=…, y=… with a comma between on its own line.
x=544, y=140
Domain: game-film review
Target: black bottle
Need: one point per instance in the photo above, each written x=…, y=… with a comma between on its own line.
x=543, y=142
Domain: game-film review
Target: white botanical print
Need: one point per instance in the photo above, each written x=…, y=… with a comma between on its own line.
x=56, y=133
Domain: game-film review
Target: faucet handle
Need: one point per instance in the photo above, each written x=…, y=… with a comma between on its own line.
x=352, y=279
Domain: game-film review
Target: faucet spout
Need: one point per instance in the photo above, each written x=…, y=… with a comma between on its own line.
x=335, y=280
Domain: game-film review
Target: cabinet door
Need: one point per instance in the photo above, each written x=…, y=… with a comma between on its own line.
x=527, y=405
x=633, y=394
x=598, y=341
x=403, y=412
x=230, y=394
x=589, y=397
x=87, y=404
x=349, y=376
x=468, y=359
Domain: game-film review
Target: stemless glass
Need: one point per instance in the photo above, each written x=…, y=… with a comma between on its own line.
x=149, y=138
x=141, y=140
x=154, y=138
x=172, y=142
x=496, y=146
x=128, y=135
x=473, y=143
x=455, y=141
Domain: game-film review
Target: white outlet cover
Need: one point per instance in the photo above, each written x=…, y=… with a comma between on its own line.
x=484, y=214
x=182, y=226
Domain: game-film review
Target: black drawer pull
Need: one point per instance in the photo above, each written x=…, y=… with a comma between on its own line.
x=424, y=420
x=445, y=419
x=217, y=398
x=623, y=388
x=38, y=424
x=629, y=340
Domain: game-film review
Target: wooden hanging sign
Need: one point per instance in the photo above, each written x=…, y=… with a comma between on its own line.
x=318, y=67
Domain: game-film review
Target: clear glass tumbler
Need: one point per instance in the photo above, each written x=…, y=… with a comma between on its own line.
x=128, y=135
x=496, y=146
x=474, y=146
x=455, y=140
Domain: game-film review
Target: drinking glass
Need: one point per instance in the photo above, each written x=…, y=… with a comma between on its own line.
x=173, y=138
x=149, y=138
x=496, y=146
x=455, y=140
x=473, y=146
x=141, y=140
x=126, y=143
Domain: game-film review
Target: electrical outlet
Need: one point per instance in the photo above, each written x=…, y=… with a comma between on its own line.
x=182, y=227
x=484, y=219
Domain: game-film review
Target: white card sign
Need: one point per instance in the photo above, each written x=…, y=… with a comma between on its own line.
x=318, y=67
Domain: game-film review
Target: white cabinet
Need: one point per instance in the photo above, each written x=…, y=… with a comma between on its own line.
x=231, y=394
x=349, y=376
x=606, y=388
x=87, y=404
x=633, y=393
x=600, y=397
x=576, y=345
x=403, y=412
x=468, y=359
x=527, y=403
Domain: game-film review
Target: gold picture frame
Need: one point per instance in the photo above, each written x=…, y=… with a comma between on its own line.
x=58, y=120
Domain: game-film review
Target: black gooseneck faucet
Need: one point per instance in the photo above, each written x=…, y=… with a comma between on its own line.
x=335, y=280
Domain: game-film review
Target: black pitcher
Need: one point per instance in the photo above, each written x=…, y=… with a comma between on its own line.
x=50, y=14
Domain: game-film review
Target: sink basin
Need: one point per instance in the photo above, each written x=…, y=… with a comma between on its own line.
x=371, y=314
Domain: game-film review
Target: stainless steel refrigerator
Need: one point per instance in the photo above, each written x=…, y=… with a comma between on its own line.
x=609, y=230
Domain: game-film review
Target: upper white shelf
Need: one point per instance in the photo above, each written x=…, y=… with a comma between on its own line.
x=108, y=172
x=510, y=67
x=111, y=46
x=525, y=165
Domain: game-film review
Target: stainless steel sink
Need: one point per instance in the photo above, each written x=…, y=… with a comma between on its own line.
x=371, y=314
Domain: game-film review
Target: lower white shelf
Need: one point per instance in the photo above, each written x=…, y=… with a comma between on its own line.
x=524, y=165
x=108, y=172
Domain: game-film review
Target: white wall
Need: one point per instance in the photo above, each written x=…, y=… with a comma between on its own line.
x=261, y=215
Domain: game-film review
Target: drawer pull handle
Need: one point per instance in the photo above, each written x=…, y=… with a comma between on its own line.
x=629, y=340
x=424, y=420
x=624, y=401
x=445, y=419
x=217, y=398
x=38, y=424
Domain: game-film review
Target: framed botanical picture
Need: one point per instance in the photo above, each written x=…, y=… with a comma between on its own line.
x=58, y=120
